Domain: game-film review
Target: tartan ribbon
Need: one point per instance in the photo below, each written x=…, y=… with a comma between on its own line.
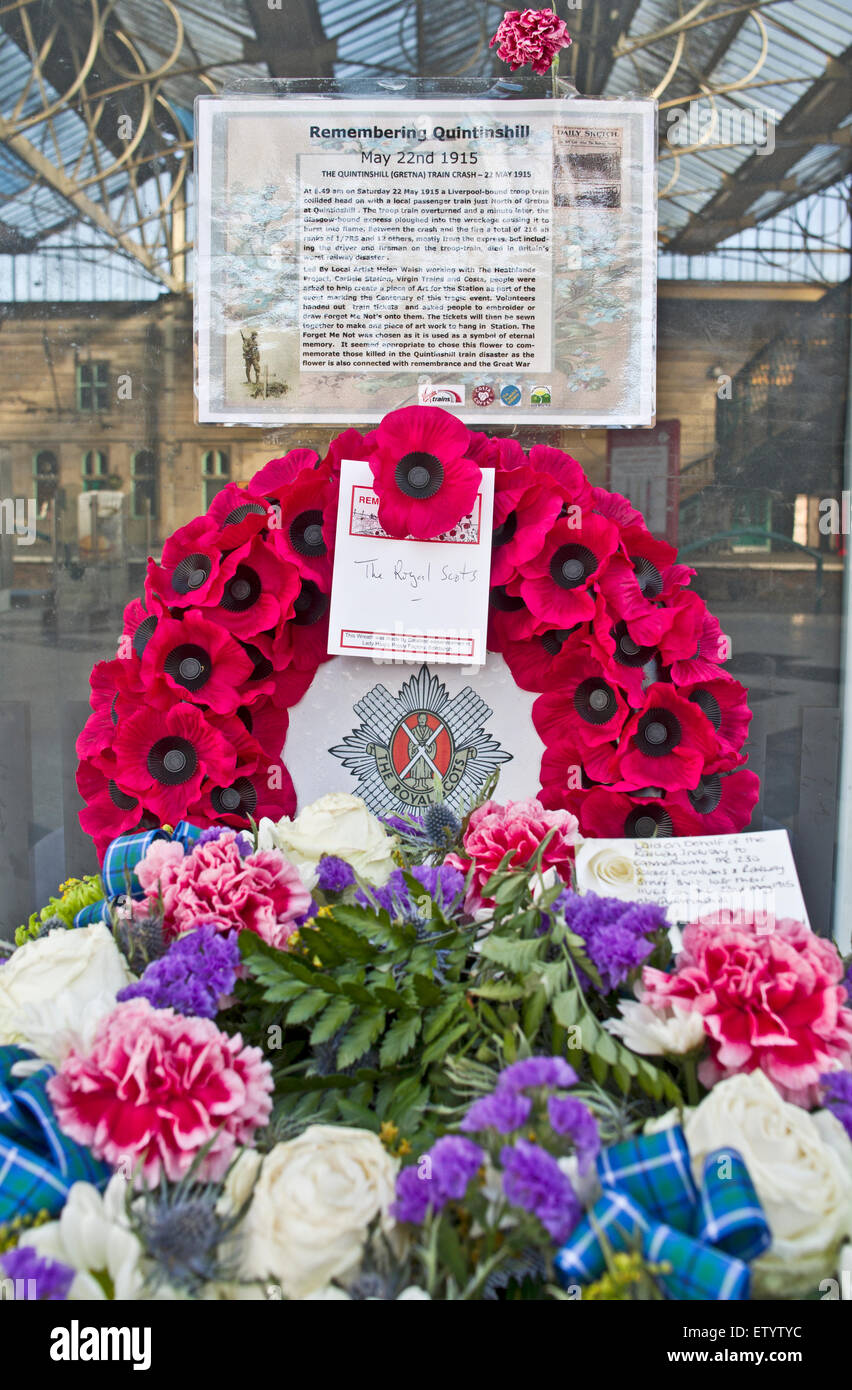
x=119, y=868
x=38, y=1163
x=707, y=1235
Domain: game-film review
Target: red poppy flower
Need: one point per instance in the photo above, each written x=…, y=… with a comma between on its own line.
x=196, y=660
x=723, y=701
x=544, y=660
x=585, y=710
x=348, y=445
x=564, y=470
x=276, y=476
x=116, y=688
x=237, y=516
x=615, y=508
x=555, y=585
x=666, y=743
x=719, y=804
x=189, y=571
x=303, y=532
x=710, y=651
x=165, y=755
x=509, y=619
x=525, y=508
x=109, y=811
x=267, y=723
x=633, y=580
x=623, y=660
x=605, y=814
x=139, y=622
x=568, y=769
x=424, y=481
x=259, y=590
x=260, y=786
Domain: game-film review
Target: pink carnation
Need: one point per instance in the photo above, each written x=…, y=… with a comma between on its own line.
x=769, y=999
x=156, y=1087
x=262, y=893
x=521, y=826
x=530, y=37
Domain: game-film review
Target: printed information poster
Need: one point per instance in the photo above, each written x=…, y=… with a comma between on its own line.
x=496, y=258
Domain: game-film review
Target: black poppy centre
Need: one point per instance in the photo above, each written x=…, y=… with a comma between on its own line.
x=419, y=475
x=648, y=577
x=505, y=531
x=172, y=761
x=143, y=635
x=554, y=639
x=120, y=798
x=239, y=799
x=191, y=573
x=311, y=604
x=709, y=706
x=595, y=701
x=647, y=823
x=504, y=602
x=242, y=591
x=707, y=795
x=306, y=534
x=627, y=651
x=240, y=513
x=189, y=665
x=659, y=733
x=572, y=565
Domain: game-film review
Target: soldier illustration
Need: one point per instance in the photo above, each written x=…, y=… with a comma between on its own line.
x=251, y=355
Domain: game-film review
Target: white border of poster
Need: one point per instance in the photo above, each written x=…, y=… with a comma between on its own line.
x=531, y=298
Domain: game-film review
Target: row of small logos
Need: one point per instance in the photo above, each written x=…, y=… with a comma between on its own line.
x=483, y=395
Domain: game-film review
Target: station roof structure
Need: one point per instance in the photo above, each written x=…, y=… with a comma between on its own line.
x=96, y=101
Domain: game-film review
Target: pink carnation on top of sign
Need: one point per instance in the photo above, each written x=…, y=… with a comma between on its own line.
x=520, y=826
x=530, y=38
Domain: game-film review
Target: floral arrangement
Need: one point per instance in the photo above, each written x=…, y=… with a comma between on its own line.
x=347, y=1058
x=643, y=727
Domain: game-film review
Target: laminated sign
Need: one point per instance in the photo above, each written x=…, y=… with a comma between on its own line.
x=496, y=258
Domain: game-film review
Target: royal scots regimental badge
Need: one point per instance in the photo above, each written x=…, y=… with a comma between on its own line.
x=404, y=741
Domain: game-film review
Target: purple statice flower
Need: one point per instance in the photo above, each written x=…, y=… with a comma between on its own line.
x=506, y=1110
x=402, y=826
x=243, y=841
x=573, y=1118
x=615, y=932
x=838, y=1096
x=51, y=1279
x=847, y=985
x=313, y=909
x=192, y=976
x=334, y=875
x=533, y=1180
x=537, y=1071
x=443, y=883
x=442, y=1175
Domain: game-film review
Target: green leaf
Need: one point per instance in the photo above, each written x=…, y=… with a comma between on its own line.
x=605, y=1048
x=533, y=1013
x=439, y=1018
x=334, y=1017
x=308, y=1004
x=513, y=954
x=427, y=991
x=392, y=999
x=319, y=944
x=360, y=1037
x=450, y=1250
x=622, y=1077
x=443, y=1043
x=498, y=989
x=346, y=941
x=599, y=1068
x=566, y=1007
x=400, y=1039
x=355, y=1114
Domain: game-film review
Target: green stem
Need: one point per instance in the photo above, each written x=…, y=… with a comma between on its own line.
x=690, y=1074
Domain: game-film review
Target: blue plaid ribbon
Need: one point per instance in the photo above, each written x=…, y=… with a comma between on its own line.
x=38, y=1163
x=650, y=1200
x=119, y=868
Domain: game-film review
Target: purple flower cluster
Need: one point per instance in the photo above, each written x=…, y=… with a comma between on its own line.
x=537, y=1071
x=575, y=1120
x=442, y=1175
x=192, y=976
x=504, y=1111
x=334, y=875
x=51, y=1280
x=533, y=1180
x=508, y=1108
x=615, y=933
x=215, y=832
x=838, y=1096
x=443, y=883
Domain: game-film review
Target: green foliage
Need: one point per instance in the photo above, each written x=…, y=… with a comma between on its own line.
x=75, y=894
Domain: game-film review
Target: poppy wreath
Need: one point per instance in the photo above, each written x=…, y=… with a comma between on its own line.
x=643, y=728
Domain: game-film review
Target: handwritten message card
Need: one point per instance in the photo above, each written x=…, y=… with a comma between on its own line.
x=752, y=875
x=412, y=600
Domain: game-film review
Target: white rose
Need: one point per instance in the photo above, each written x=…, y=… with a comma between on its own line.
x=610, y=872
x=801, y=1167
x=337, y=824
x=313, y=1202
x=652, y=1033
x=55, y=990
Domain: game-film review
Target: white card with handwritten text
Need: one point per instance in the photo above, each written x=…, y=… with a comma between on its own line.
x=751, y=875
x=413, y=601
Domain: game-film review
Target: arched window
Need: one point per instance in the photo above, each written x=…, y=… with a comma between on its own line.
x=46, y=476
x=95, y=469
x=215, y=473
x=144, y=474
